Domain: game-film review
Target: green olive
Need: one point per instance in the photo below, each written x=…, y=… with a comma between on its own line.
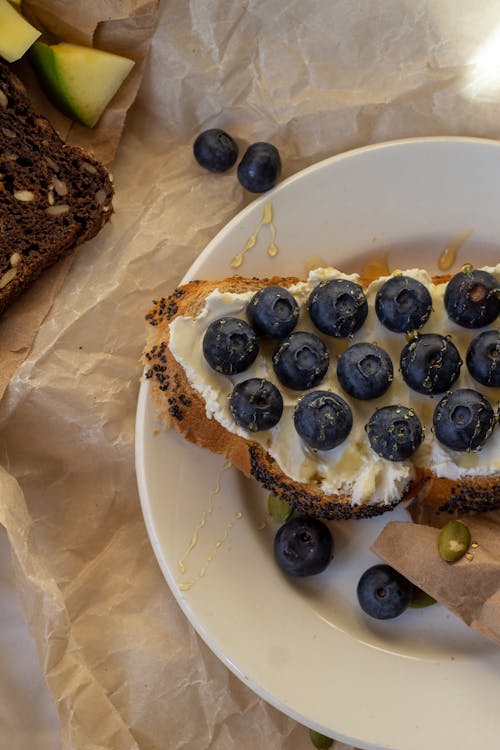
x=319, y=740
x=454, y=540
x=278, y=509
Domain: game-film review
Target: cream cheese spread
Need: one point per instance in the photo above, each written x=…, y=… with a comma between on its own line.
x=352, y=467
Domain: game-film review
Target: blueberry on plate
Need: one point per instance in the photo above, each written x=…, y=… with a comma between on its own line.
x=260, y=167
x=483, y=358
x=256, y=404
x=395, y=432
x=403, y=304
x=338, y=307
x=365, y=371
x=463, y=420
x=303, y=546
x=472, y=298
x=215, y=150
x=383, y=593
x=301, y=360
x=230, y=345
x=322, y=419
x=430, y=363
x=273, y=312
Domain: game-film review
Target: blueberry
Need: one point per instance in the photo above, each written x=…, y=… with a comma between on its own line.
x=403, y=304
x=230, y=345
x=338, y=307
x=383, y=593
x=273, y=312
x=301, y=360
x=215, y=150
x=430, y=363
x=256, y=404
x=483, y=358
x=260, y=167
x=365, y=371
x=463, y=420
x=472, y=298
x=322, y=419
x=394, y=432
x=303, y=546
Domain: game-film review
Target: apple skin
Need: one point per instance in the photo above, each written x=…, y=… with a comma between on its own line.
x=16, y=34
x=80, y=81
x=43, y=59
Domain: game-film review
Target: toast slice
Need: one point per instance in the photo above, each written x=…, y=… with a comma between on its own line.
x=185, y=403
x=52, y=197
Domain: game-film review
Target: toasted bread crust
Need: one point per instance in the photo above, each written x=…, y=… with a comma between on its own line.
x=179, y=405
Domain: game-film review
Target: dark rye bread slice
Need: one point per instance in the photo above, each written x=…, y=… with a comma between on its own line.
x=52, y=196
x=180, y=406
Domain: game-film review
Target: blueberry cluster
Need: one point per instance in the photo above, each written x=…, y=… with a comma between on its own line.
x=258, y=170
x=304, y=546
x=429, y=362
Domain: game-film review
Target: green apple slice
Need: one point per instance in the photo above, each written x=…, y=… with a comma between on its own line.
x=81, y=81
x=16, y=34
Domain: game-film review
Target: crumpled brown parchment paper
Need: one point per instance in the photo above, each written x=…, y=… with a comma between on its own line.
x=123, y=28
x=125, y=669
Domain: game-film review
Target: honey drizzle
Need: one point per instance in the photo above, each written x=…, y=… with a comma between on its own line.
x=186, y=585
x=272, y=249
x=218, y=544
x=449, y=254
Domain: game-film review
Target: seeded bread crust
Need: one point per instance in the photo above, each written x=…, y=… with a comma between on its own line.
x=181, y=406
x=52, y=197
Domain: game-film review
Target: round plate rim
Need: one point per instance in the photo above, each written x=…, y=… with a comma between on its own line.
x=143, y=397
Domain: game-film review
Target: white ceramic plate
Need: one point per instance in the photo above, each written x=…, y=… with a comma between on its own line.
x=424, y=680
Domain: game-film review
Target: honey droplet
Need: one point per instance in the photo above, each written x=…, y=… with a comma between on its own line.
x=237, y=260
x=449, y=254
x=266, y=220
x=186, y=586
x=376, y=268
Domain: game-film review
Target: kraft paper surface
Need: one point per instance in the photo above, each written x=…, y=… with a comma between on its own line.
x=125, y=669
